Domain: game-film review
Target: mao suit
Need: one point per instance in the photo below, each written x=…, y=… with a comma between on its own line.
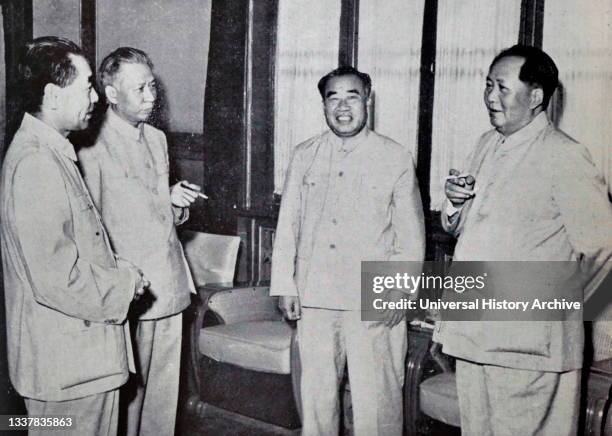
x=66, y=298
x=346, y=201
x=126, y=171
x=539, y=198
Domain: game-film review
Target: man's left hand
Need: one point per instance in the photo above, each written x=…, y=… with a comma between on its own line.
x=183, y=194
x=392, y=317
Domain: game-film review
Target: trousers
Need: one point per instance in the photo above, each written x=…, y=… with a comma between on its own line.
x=498, y=401
x=94, y=415
x=330, y=340
x=149, y=399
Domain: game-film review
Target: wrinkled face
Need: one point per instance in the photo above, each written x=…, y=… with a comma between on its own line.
x=133, y=93
x=76, y=101
x=345, y=105
x=510, y=101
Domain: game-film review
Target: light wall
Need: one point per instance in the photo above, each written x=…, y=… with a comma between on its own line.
x=175, y=34
x=57, y=17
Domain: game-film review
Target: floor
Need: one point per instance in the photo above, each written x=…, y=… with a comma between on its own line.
x=218, y=422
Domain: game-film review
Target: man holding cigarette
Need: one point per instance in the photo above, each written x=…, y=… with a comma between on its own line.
x=127, y=174
x=527, y=193
x=351, y=195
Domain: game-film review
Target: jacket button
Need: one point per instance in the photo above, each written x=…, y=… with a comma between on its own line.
x=97, y=233
x=332, y=246
x=87, y=322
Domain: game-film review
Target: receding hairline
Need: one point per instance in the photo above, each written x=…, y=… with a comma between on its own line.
x=359, y=79
x=114, y=77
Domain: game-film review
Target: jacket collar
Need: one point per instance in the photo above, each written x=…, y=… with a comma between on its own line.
x=48, y=135
x=348, y=144
x=529, y=132
x=124, y=128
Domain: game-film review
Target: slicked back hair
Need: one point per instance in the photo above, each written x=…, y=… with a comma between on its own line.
x=539, y=69
x=123, y=55
x=46, y=60
x=345, y=71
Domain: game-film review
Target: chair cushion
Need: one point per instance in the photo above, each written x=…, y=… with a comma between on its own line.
x=256, y=345
x=438, y=398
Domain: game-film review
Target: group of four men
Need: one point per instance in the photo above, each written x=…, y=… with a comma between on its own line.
x=77, y=252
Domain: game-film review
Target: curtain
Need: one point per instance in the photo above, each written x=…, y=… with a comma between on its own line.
x=470, y=33
x=390, y=34
x=2, y=87
x=307, y=49
x=578, y=36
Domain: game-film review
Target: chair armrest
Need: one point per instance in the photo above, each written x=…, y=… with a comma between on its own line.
x=226, y=305
x=296, y=372
x=244, y=304
x=425, y=359
x=444, y=362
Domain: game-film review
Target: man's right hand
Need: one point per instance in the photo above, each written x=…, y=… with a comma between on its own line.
x=290, y=306
x=459, y=189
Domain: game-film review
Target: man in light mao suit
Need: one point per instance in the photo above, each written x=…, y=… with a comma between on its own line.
x=350, y=195
x=540, y=199
x=127, y=173
x=67, y=296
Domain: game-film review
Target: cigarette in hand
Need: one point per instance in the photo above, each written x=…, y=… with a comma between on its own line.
x=198, y=193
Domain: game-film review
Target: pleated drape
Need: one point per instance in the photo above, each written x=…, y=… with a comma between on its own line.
x=390, y=34
x=470, y=33
x=307, y=49
x=578, y=36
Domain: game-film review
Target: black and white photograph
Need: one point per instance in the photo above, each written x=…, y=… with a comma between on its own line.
x=306, y=217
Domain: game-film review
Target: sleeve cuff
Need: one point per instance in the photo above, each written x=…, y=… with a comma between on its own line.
x=452, y=210
x=181, y=214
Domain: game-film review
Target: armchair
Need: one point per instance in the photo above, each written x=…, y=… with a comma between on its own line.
x=431, y=404
x=243, y=356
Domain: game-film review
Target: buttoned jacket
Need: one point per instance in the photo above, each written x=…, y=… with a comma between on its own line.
x=137, y=211
x=66, y=299
x=344, y=202
x=539, y=199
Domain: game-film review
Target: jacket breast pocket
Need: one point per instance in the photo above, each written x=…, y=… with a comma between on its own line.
x=85, y=218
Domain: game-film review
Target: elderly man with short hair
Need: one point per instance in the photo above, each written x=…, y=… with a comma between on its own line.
x=67, y=296
x=527, y=193
x=126, y=171
x=351, y=195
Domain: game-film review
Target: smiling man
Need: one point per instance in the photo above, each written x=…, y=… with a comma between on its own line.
x=127, y=173
x=351, y=195
x=539, y=198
